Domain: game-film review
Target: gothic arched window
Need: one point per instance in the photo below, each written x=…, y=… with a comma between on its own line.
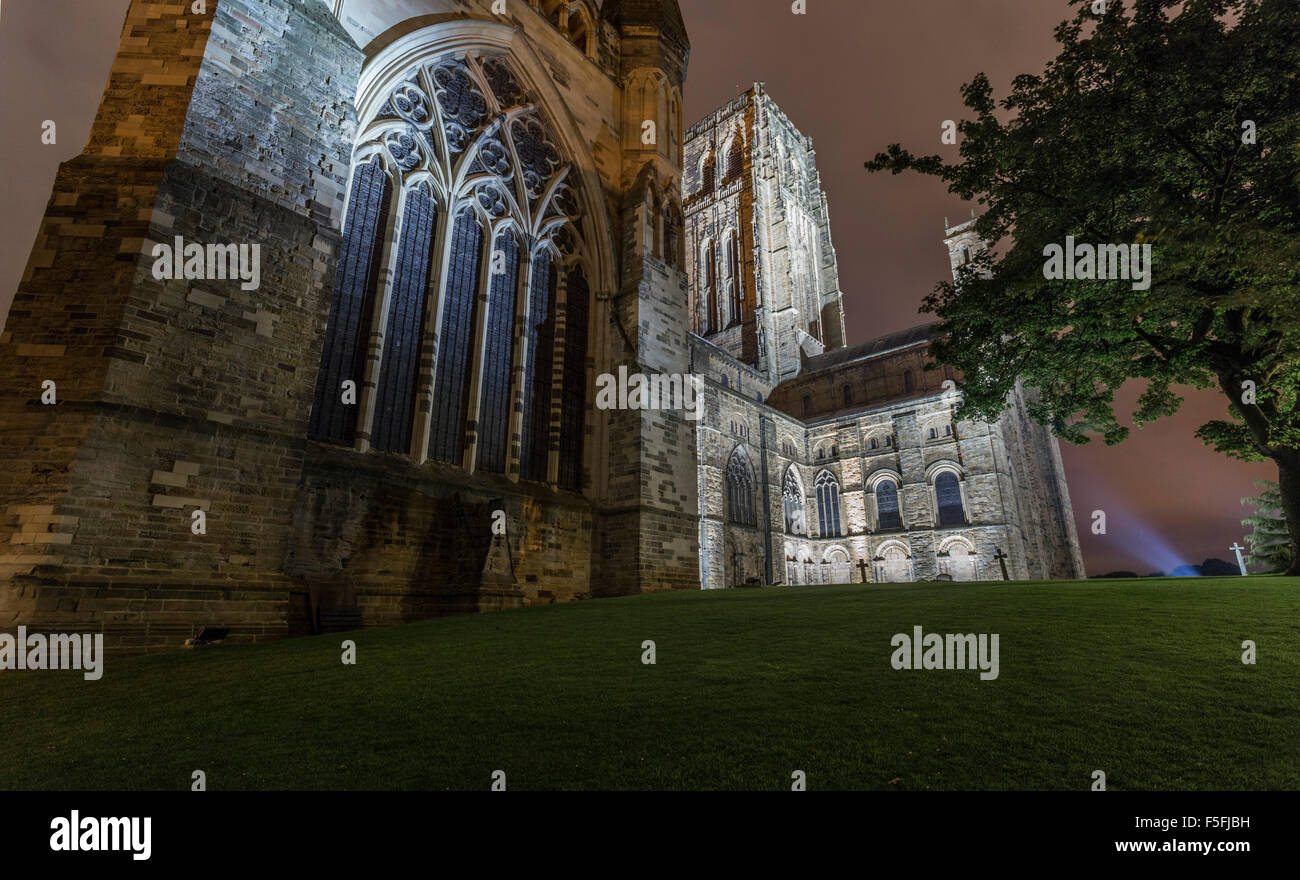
x=398, y=373
x=469, y=159
x=735, y=159
x=539, y=335
x=650, y=220
x=672, y=229
x=848, y=396
x=888, y=515
x=494, y=415
x=573, y=399
x=710, y=293
x=708, y=171
x=828, y=504
x=740, y=491
x=947, y=493
x=907, y=380
x=733, y=276
x=792, y=504
x=451, y=384
x=348, y=330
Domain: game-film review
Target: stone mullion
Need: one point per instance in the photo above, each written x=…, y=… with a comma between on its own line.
x=431, y=327
x=379, y=308
x=557, y=372
x=478, y=324
x=515, y=431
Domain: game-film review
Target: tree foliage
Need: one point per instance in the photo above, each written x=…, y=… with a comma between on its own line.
x=1268, y=539
x=1138, y=132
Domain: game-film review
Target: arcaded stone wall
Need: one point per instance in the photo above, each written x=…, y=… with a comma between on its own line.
x=1012, y=486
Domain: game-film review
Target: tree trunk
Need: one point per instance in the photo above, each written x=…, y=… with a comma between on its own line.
x=1288, y=481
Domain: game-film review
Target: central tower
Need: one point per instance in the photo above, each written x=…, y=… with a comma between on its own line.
x=764, y=277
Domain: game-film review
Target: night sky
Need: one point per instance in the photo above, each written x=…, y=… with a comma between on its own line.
x=855, y=75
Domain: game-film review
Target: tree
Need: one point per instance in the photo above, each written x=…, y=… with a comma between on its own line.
x=1177, y=128
x=1269, y=542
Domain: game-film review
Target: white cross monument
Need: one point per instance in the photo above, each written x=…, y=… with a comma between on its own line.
x=1237, y=548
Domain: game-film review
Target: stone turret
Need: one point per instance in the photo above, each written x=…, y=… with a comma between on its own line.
x=648, y=538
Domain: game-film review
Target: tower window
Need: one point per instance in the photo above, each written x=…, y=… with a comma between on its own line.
x=947, y=491
x=708, y=171
x=828, y=505
x=848, y=396
x=735, y=160
x=888, y=515
x=907, y=381
x=740, y=491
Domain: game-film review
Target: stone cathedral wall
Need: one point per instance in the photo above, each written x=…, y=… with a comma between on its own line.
x=1011, y=483
x=172, y=486
x=177, y=396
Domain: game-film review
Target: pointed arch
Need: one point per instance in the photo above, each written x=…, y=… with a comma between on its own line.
x=708, y=285
x=708, y=171
x=487, y=168
x=828, y=505
x=740, y=489
x=731, y=263
x=735, y=154
x=792, y=502
x=672, y=234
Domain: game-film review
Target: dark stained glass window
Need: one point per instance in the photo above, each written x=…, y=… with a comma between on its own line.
x=672, y=225
x=347, y=334
x=494, y=412
x=792, y=502
x=395, y=394
x=456, y=342
x=887, y=505
x=828, y=504
x=538, y=364
x=947, y=490
x=709, y=172
x=735, y=160
x=574, y=392
x=733, y=274
x=740, y=491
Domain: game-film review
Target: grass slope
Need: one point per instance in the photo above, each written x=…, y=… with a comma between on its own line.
x=1140, y=678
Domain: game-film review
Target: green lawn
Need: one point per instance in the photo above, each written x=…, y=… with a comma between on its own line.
x=1140, y=678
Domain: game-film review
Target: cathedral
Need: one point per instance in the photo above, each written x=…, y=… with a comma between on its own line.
x=463, y=213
